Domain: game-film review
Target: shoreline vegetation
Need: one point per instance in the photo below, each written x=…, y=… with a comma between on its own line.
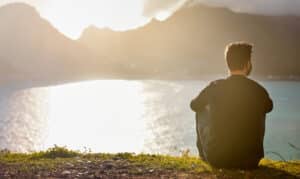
x=60, y=162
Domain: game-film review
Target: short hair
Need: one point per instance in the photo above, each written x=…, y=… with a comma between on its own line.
x=238, y=54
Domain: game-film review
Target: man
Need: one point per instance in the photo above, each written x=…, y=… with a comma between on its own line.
x=230, y=114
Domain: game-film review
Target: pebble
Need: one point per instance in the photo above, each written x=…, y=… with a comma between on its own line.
x=66, y=173
x=91, y=176
x=70, y=165
x=98, y=174
x=151, y=170
x=107, y=165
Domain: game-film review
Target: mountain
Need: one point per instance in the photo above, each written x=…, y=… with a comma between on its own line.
x=33, y=52
x=190, y=44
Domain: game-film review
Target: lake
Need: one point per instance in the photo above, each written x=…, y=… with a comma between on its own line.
x=130, y=116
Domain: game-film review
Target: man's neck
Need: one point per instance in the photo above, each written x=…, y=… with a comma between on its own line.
x=238, y=72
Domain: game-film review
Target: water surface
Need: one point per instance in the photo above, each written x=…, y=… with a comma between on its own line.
x=130, y=116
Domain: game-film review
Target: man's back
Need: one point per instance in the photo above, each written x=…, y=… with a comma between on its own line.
x=236, y=109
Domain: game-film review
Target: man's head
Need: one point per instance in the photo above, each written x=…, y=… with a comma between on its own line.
x=238, y=58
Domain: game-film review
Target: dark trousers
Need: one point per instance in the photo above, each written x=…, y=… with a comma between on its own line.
x=214, y=158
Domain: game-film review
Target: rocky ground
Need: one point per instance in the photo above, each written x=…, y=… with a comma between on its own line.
x=62, y=163
x=79, y=168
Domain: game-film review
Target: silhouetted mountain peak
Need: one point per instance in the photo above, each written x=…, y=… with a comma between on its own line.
x=18, y=10
x=32, y=47
x=154, y=22
x=92, y=29
x=25, y=19
x=188, y=44
x=195, y=36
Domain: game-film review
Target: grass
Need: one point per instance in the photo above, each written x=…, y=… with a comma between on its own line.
x=58, y=157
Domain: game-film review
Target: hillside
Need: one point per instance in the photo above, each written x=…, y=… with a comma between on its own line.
x=33, y=52
x=188, y=45
x=191, y=44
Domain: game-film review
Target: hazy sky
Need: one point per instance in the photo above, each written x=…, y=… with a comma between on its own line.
x=72, y=16
x=272, y=7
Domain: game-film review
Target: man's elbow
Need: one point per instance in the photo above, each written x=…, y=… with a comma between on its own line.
x=193, y=106
x=196, y=106
x=270, y=106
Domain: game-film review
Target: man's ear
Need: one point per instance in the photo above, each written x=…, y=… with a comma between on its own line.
x=250, y=65
x=248, y=68
x=247, y=65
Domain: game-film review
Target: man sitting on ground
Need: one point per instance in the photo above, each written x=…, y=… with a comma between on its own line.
x=230, y=114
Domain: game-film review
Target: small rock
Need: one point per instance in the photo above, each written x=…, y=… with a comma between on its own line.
x=86, y=172
x=6, y=173
x=69, y=164
x=107, y=164
x=124, y=175
x=66, y=173
x=140, y=170
x=79, y=160
x=79, y=174
x=45, y=174
x=97, y=174
x=91, y=176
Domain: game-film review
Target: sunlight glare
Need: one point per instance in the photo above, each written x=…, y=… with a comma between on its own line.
x=163, y=15
x=106, y=116
x=72, y=17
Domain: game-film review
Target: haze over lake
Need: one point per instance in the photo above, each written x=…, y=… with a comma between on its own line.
x=129, y=116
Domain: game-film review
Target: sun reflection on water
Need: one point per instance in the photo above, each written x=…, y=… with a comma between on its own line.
x=105, y=116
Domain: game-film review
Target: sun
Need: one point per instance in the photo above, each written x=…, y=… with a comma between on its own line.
x=163, y=15
x=72, y=16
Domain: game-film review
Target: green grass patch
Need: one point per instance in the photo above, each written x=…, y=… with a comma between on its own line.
x=55, y=152
x=57, y=157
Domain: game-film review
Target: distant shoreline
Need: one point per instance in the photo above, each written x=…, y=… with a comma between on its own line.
x=25, y=84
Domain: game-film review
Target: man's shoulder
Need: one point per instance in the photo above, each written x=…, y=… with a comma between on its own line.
x=223, y=81
x=217, y=82
x=258, y=87
x=212, y=85
x=256, y=84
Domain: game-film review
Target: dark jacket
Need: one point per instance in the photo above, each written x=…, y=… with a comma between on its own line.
x=236, y=109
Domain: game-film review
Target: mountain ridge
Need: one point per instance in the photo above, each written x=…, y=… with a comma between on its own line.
x=188, y=45
x=214, y=28
x=35, y=53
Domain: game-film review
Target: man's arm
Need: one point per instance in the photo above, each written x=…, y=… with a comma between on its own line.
x=201, y=100
x=269, y=104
